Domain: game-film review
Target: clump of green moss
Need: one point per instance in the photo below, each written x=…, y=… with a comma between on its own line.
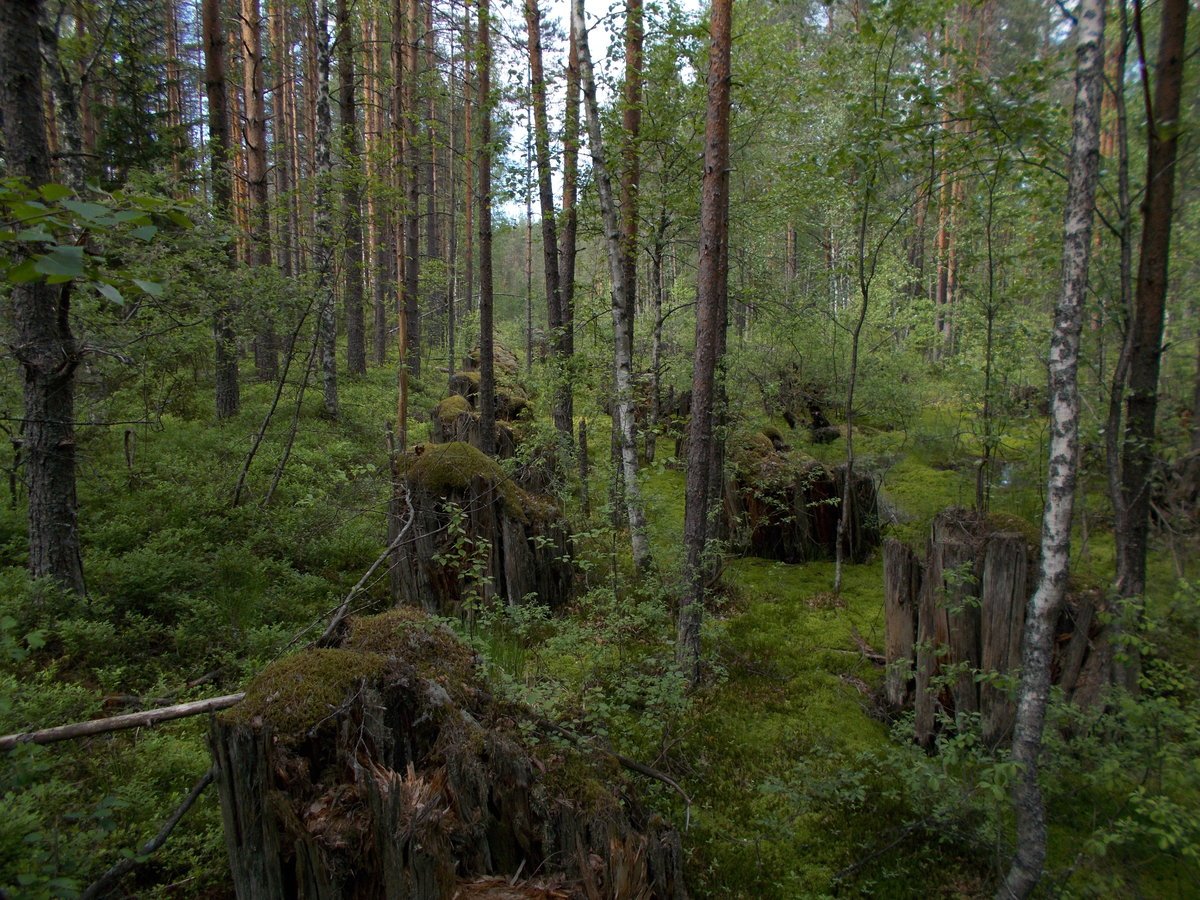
x=1000, y=521
x=452, y=407
x=296, y=693
x=451, y=466
x=407, y=635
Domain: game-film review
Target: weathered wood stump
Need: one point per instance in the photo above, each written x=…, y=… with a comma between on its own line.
x=454, y=419
x=477, y=534
x=384, y=769
x=965, y=603
x=782, y=505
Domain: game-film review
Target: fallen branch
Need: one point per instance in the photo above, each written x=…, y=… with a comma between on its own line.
x=119, y=723
x=326, y=638
x=109, y=879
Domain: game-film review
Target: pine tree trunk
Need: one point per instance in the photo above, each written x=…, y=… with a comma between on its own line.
x=642, y=559
x=283, y=102
x=323, y=223
x=1150, y=297
x=1034, y=693
x=631, y=126
x=554, y=303
x=227, y=392
x=352, y=268
x=711, y=285
x=564, y=412
x=43, y=344
x=412, y=192
x=266, y=361
x=487, y=378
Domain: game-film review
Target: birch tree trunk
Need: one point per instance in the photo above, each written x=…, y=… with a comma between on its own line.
x=711, y=287
x=1026, y=867
x=642, y=559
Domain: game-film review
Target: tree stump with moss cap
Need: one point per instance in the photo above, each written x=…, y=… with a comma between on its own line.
x=384, y=769
x=477, y=534
x=780, y=504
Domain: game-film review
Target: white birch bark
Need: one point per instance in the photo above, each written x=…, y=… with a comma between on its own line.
x=623, y=351
x=1026, y=866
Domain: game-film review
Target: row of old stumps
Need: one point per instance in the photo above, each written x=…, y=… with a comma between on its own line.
x=381, y=766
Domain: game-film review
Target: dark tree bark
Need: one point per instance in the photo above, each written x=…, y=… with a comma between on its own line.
x=283, y=100
x=1150, y=296
x=352, y=269
x=631, y=125
x=254, y=132
x=323, y=221
x=412, y=188
x=43, y=344
x=564, y=399
x=554, y=305
x=711, y=286
x=228, y=398
x=487, y=377
x=1034, y=693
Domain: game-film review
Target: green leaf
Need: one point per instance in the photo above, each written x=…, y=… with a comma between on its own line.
x=65, y=260
x=110, y=292
x=93, y=212
x=24, y=273
x=145, y=233
x=36, y=233
x=153, y=288
x=132, y=216
x=54, y=192
x=179, y=218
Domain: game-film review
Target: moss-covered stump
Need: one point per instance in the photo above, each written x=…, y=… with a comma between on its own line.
x=476, y=531
x=384, y=769
x=454, y=419
x=512, y=401
x=780, y=504
x=954, y=621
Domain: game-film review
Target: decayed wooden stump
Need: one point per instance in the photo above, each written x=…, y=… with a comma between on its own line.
x=969, y=596
x=454, y=419
x=782, y=505
x=477, y=534
x=384, y=769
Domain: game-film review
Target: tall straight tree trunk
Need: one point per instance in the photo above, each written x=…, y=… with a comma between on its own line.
x=43, y=344
x=67, y=93
x=1150, y=296
x=487, y=377
x=1034, y=693
x=352, y=268
x=228, y=397
x=433, y=241
x=564, y=404
x=412, y=193
x=255, y=133
x=469, y=68
x=400, y=173
x=282, y=107
x=639, y=543
x=323, y=211
x=554, y=301
x=712, y=285
x=631, y=126
x=371, y=143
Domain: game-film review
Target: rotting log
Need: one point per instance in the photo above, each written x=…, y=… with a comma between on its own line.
x=384, y=769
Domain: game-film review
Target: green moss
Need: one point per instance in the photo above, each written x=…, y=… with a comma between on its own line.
x=408, y=635
x=296, y=693
x=1001, y=521
x=451, y=466
x=452, y=407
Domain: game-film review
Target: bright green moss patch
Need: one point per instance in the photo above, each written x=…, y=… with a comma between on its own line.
x=442, y=467
x=406, y=634
x=296, y=693
x=452, y=407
